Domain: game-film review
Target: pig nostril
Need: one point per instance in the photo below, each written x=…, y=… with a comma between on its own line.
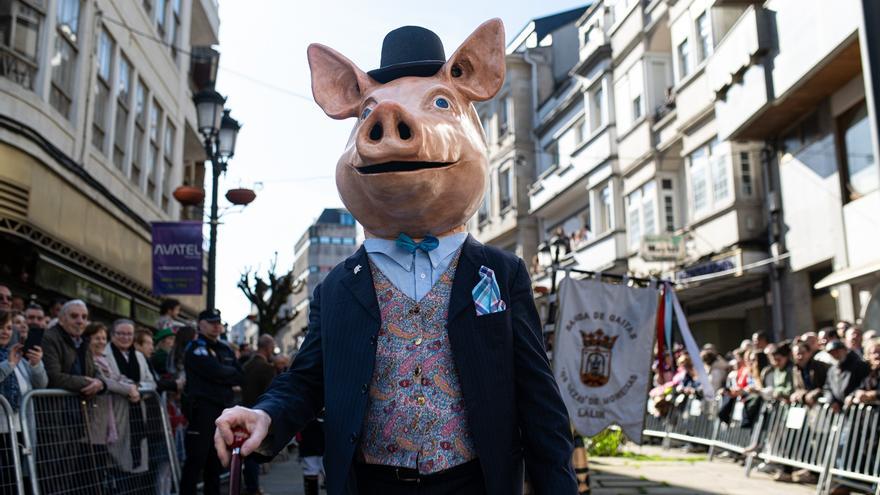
x=376, y=132
x=403, y=131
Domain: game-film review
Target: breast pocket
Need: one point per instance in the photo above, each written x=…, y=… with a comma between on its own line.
x=494, y=328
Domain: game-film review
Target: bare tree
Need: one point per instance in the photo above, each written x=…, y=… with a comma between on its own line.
x=269, y=295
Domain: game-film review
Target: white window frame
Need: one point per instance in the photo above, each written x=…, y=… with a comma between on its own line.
x=717, y=166
x=597, y=107
x=683, y=60
x=102, y=121
x=504, y=125
x=705, y=42
x=636, y=202
x=508, y=171
x=604, y=210
x=668, y=197
x=123, y=93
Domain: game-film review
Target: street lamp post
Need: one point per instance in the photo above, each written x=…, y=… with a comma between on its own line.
x=548, y=255
x=219, y=132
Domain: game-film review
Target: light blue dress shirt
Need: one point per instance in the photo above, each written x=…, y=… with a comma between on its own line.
x=413, y=273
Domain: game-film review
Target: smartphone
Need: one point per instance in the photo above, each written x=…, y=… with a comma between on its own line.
x=34, y=338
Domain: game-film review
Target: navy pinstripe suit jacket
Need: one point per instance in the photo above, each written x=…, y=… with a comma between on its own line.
x=514, y=409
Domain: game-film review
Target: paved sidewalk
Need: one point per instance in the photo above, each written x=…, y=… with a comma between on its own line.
x=284, y=477
x=681, y=474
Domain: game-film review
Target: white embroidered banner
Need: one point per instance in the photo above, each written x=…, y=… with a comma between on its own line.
x=602, y=354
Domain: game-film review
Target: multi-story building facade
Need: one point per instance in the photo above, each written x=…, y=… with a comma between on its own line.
x=538, y=60
x=97, y=129
x=796, y=78
x=326, y=243
x=703, y=142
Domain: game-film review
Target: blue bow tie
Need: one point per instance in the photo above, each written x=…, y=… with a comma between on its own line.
x=406, y=242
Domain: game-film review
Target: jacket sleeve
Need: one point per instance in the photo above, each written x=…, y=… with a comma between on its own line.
x=147, y=380
x=295, y=397
x=207, y=366
x=543, y=419
x=115, y=382
x=59, y=378
x=39, y=379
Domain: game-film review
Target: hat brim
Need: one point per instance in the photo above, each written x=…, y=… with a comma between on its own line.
x=421, y=68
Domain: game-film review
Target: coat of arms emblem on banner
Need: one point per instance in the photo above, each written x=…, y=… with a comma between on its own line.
x=596, y=357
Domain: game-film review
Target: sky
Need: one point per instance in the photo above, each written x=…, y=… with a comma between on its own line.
x=288, y=148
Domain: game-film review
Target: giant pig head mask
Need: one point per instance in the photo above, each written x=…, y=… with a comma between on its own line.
x=416, y=159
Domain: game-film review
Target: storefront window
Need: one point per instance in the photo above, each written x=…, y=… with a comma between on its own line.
x=859, y=162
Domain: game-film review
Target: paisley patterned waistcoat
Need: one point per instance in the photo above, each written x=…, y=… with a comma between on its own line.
x=416, y=416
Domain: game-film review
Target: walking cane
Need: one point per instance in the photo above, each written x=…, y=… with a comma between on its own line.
x=239, y=436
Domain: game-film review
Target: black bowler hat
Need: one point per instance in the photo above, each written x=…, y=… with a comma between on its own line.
x=409, y=51
x=212, y=315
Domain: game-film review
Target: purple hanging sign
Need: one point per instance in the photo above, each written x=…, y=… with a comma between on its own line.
x=177, y=258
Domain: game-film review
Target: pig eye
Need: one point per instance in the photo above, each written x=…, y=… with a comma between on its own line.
x=366, y=113
x=441, y=102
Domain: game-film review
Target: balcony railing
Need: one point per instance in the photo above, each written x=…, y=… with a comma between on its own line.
x=17, y=69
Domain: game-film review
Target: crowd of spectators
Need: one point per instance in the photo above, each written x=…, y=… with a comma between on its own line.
x=110, y=364
x=837, y=366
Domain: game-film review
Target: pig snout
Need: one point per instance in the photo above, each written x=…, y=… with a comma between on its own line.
x=389, y=133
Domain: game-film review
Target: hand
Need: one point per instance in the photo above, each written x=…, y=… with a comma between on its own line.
x=181, y=382
x=93, y=387
x=15, y=354
x=133, y=394
x=254, y=421
x=35, y=355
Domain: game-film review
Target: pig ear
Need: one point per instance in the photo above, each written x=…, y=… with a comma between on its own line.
x=337, y=84
x=477, y=67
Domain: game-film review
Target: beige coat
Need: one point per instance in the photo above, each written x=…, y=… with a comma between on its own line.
x=120, y=450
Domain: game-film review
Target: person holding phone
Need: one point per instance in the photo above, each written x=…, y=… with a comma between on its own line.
x=21, y=368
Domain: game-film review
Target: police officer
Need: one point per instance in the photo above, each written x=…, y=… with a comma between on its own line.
x=211, y=372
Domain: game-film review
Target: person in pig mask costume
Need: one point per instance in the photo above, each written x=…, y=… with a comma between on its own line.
x=424, y=347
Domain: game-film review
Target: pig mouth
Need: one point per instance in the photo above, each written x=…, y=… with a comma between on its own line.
x=390, y=167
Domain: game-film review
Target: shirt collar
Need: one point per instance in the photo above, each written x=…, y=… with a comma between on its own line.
x=448, y=245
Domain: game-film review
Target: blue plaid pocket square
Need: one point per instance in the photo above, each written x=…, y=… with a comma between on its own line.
x=487, y=295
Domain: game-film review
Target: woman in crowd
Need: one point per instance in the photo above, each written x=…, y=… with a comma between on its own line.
x=716, y=368
x=143, y=343
x=685, y=379
x=131, y=451
x=776, y=378
x=20, y=372
x=20, y=326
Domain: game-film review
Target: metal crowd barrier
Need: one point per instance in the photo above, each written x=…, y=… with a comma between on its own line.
x=99, y=445
x=839, y=447
x=11, y=480
x=856, y=449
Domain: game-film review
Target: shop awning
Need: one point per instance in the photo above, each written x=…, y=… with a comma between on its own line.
x=845, y=275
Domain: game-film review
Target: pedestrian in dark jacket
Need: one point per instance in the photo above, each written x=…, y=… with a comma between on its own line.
x=259, y=371
x=70, y=366
x=66, y=353
x=845, y=376
x=809, y=375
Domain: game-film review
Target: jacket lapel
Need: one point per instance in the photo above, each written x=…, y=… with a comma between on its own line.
x=360, y=284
